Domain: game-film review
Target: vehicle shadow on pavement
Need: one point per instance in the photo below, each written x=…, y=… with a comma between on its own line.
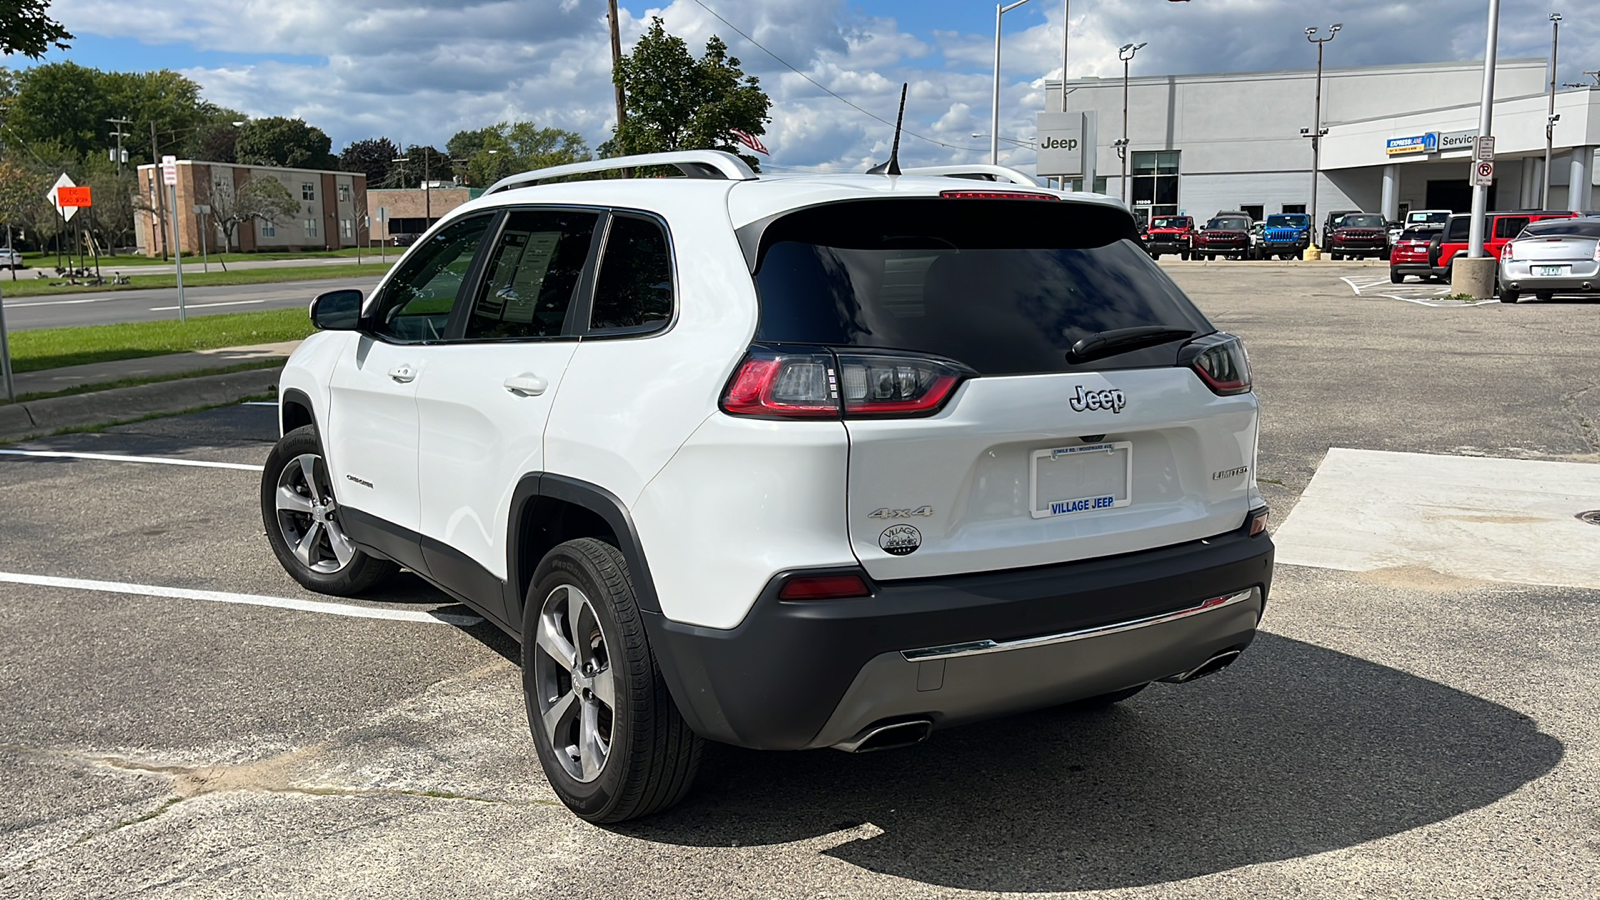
x=1293, y=751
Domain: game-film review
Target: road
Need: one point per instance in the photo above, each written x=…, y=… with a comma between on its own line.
x=181, y=720
x=66, y=310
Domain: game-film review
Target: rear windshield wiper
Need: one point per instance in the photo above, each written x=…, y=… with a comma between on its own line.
x=1121, y=340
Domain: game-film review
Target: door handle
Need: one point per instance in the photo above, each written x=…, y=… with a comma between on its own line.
x=526, y=385
x=403, y=374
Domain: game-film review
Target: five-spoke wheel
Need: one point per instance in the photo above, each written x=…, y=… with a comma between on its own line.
x=576, y=685
x=302, y=518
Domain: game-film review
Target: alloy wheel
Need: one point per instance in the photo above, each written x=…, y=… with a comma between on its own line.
x=308, y=516
x=576, y=683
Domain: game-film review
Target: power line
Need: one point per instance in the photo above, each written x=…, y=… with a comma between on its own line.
x=820, y=87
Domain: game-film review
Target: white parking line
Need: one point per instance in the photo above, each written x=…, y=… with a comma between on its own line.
x=328, y=609
x=205, y=305
x=158, y=460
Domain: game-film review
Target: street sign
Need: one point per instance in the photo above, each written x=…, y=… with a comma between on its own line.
x=67, y=212
x=202, y=208
x=383, y=214
x=74, y=196
x=169, y=170
x=1485, y=148
x=1482, y=174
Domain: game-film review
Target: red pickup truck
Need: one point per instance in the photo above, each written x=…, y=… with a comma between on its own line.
x=1169, y=234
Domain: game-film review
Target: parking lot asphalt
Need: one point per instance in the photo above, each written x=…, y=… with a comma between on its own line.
x=1396, y=732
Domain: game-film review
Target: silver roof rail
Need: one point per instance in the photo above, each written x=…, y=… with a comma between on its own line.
x=978, y=171
x=692, y=163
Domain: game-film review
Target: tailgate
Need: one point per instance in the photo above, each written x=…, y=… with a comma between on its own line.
x=1036, y=469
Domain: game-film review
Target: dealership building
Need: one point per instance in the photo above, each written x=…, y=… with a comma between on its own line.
x=1397, y=138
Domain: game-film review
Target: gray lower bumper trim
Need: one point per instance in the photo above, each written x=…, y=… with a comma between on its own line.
x=979, y=648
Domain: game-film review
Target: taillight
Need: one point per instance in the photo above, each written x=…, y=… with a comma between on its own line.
x=819, y=383
x=1508, y=252
x=1220, y=361
x=1597, y=251
x=1256, y=520
x=791, y=385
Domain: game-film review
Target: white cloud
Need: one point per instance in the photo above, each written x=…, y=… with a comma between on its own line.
x=419, y=73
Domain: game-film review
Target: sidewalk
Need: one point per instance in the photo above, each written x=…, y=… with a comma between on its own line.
x=36, y=417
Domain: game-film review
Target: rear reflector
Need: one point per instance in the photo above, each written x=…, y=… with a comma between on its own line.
x=824, y=587
x=996, y=195
x=1257, y=520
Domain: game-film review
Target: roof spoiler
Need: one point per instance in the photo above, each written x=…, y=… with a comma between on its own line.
x=977, y=171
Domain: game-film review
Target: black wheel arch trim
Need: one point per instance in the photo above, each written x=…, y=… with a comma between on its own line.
x=596, y=499
x=295, y=397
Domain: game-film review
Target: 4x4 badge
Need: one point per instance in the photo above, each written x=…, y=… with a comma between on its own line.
x=885, y=513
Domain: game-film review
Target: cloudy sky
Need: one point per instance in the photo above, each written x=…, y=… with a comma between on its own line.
x=419, y=72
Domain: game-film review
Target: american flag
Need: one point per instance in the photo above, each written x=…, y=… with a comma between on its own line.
x=749, y=140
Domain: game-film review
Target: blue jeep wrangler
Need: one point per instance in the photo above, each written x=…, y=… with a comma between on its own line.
x=1286, y=235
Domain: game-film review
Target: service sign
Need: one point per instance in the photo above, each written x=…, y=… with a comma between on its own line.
x=1420, y=143
x=1061, y=145
x=1457, y=140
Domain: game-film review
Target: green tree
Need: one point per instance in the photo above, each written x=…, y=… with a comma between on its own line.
x=278, y=141
x=421, y=161
x=492, y=153
x=69, y=105
x=371, y=157
x=25, y=29
x=677, y=102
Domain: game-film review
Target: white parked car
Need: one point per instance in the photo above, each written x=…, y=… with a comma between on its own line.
x=1555, y=256
x=786, y=462
x=11, y=259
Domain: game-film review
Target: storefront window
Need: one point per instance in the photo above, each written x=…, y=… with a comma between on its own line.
x=1155, y=181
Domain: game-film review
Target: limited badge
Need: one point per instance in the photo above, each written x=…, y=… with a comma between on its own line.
x=900, y=540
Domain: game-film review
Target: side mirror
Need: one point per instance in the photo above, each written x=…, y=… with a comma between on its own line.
x=337, y=310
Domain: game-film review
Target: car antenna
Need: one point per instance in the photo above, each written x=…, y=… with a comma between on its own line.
x=892, y=167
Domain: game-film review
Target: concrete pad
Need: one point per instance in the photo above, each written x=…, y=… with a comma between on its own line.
x=1470, y=517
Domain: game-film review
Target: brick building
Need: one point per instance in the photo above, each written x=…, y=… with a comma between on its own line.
x=409, y=211
x=332, y=207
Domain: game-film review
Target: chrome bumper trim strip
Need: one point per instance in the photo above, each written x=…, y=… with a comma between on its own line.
x=980, y=648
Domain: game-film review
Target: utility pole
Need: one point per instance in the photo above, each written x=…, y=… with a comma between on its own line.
x=1550, y=117
x=119, y=135
x=1125, y=53
x=161, y=206
x=616, y=60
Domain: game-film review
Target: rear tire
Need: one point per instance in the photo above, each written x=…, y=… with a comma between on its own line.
x=1506, y=296
x=301, y=516
x=1395, y=277
x=609, y=737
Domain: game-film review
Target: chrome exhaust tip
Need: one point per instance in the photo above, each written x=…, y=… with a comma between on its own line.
x=888, y=737
x=1210, y=667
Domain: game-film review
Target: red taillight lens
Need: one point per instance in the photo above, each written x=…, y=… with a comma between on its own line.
x=824, y=587
x=789, y=385
x=818, y=383
x=995, y=195
x=1508, y=252
x=1220, y=361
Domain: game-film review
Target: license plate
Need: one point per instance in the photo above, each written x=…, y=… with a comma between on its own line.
x=1085, y=479
x=1549, y=270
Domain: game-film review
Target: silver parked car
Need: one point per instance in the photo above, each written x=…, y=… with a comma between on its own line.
x=1556, y=256
x=11, y=259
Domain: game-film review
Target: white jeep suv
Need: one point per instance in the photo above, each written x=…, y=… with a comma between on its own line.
x=785, y=462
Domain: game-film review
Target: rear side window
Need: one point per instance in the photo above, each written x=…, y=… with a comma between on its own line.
x=634, y=290
x=1459, y=230
x=532, y=274
x=1003, y=286
x=1510, y=226
x=1419, y=234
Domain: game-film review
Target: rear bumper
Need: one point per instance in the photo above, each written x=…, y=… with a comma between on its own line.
x=1411, y=268
x=797, y=675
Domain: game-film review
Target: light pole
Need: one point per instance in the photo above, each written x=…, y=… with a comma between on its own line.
x=994, y=113
x=1125, y=53
x=1317, y=130
x=1550, y=118
x=1480, y=193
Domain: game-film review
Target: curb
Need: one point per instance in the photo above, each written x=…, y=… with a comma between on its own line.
x=39, y=417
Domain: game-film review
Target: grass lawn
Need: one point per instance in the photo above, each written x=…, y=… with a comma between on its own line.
x=47, y=261
x=34, y=287
x=56, y=347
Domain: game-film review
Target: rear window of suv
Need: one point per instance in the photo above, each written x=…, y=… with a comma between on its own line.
x=1003, y=286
